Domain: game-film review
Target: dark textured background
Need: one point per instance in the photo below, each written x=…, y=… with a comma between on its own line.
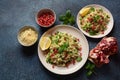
x=20, y=63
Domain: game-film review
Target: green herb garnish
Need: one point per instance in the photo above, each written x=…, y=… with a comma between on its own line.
x=91, y=32
x=96, y=18
x=79, y=59
x=62, y=18
x=68, y=13
x=90, y=68
x=67, y=18
x=92, y=9
x=63, y=47
x=101, y=10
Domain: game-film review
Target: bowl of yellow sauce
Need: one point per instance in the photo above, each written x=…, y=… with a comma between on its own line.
x=27, y=36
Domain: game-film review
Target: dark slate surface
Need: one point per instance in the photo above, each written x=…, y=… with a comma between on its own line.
x=20, y=63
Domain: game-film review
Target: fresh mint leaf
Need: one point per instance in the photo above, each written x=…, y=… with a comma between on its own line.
x=92, y=9
x=79, y=59
x=72, y=20
x=91, y=32
x=68, y=14
x=90, y=68
x=66, y=44
x=65, y=22
x=62, y=18
x=61, y=49
x=67, y=18
x=89, y=73
x=87, y=66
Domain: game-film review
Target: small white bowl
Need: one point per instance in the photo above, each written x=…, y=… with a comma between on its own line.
x=24, y=43
x=110, y=24
x=43, y=11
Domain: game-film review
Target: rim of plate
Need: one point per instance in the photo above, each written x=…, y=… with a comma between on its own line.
x=72, y=68
x=110, y=24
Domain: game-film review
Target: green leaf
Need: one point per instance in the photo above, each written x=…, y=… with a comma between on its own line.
x=65, y=22
x=91, y=32
x=92, y=66
x=56, y=41
x=63, y=47
x=60, y=49
x=80, y=18
x=66, y=44
x=67, y=18
x=84, y=28
x=68, y=13
x=89, y=73
x=96, y=18
x=87, y=66
x=79, y=59
x=62, y=17
x=48, y=59
x=92, y=9
x=101, y=10
x=107, y=16
x=72, y=20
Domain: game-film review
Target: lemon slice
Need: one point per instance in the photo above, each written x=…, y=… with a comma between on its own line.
x=45, y=43
x=84, y=11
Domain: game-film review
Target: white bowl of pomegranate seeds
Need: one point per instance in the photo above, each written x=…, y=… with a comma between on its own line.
x=45, y=17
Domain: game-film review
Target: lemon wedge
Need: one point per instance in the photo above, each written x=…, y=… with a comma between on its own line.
x=84, y=11
x=45, y=43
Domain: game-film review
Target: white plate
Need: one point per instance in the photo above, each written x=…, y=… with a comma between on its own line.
x=72, y=68
x=110, y=24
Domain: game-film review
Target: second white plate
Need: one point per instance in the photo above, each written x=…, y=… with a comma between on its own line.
x=110, y=24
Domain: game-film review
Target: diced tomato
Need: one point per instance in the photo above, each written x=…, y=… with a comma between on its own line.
x=80, y=48
x=102, y=32
x=100, y=22
x=80, y=54
x=93, y=27
x=52, y=55
x=90, y=19
x=55, y=50
x=73, y=61
x=46, y=19
x=67, y=64
x=77, y=39
x=53, y=66
x=66, y=56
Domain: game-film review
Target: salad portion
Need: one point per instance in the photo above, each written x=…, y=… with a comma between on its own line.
x=94, y=20
x=64, y=50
